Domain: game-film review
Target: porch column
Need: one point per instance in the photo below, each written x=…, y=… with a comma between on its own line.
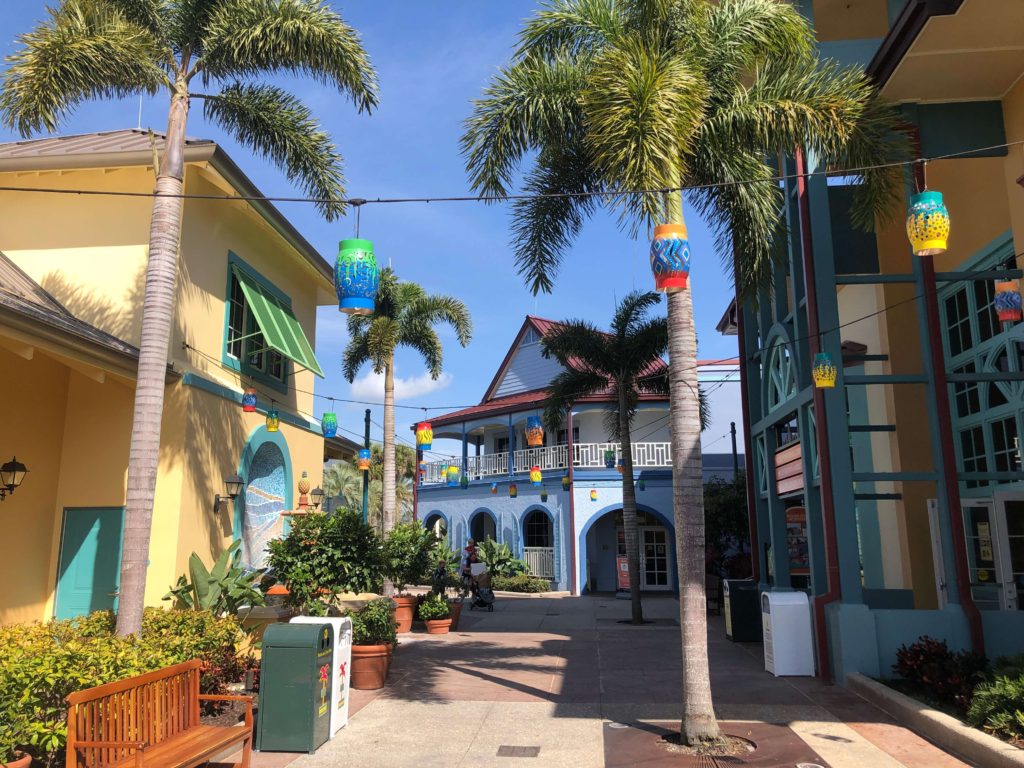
x=465, y=450
x=511, y=446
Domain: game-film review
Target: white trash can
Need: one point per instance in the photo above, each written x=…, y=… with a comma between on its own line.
x=342, y=662
x=788, y=640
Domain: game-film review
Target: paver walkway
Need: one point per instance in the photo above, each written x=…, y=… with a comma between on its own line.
x=563, y=675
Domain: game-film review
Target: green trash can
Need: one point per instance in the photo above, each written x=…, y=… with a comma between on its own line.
x=295, y=688
x=741, y=604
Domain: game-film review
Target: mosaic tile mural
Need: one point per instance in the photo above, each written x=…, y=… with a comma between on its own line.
x=264, y=502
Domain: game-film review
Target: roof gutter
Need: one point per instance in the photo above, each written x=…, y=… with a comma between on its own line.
x=903, y=33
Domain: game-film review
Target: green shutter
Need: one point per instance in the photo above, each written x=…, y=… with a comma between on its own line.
x=280, y=329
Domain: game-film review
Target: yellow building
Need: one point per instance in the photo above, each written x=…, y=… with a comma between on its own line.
x=72, y=272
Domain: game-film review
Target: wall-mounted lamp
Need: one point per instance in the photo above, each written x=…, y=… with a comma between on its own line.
x=232, y=487
x=316, y=496
x=11, y=475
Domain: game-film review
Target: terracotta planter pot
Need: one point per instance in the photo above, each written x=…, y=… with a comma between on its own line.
x=456, y=612
x=370, y=665
x=438, y=626
x=22, y=762
x=404, y=607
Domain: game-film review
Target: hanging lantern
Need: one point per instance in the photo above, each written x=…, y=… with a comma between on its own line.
x=1007, y=301
x=273, y=420
x=544, y=495
x=424, y=436
x=494, y=489
x=249, y=400
x=356, y=277
x=593, y=494
x=823, y=372
x=534, y=432
x=609, y=459
x=621, y=466
x=642, y=484
x=512, y=490
x=535, y=476
x=453, y=476
x=670, y=258
x=928, y=223
x=464, y=482
x=566, y=482
x=329, y=424
x=363, y=461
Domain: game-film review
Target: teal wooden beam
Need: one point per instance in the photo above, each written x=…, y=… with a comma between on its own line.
x=872, y=427
x=988, y=274
x=894, y=477
x=991, y=476
x=878, y=496
x=886, y=378
x=872, y=279
x=974, y=377
x=865, y=358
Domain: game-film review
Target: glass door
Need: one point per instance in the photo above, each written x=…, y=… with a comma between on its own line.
x=654, y=558
x=981, y=532
x=1009, y=518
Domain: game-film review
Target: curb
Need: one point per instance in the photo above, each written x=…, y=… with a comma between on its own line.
x=979, y=748
x=501, y=593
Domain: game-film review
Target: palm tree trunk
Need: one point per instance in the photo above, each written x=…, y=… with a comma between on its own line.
x=698, y=722
x=157, y=314
x=388, y=478
x=629, y=524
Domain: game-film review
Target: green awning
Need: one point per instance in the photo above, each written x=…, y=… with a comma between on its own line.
x=281, y=331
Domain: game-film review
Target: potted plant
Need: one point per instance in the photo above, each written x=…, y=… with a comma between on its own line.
x=373, y=638
x=14, y=730
x=436, y=615
x=406, y=558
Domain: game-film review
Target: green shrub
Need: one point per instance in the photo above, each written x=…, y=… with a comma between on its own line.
x=934, y=671
x=222, y=589
x=40, y=664
x=499, y=558
x=374, y=623
x=322, y=555
x=998, y=707
x=521, y=582
x=407, y=554
x=434, y=607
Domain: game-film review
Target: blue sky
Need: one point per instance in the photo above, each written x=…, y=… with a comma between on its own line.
x=433, y=59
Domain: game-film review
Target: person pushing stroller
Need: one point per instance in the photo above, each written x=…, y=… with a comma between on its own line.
x=479, y=585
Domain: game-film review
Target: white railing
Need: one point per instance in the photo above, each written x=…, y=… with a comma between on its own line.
x=540, y=561
x=585, y=456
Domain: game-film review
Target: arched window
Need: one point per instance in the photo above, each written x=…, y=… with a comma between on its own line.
x=537, y=530
x=481, y=527
x=781, y=374
x=436, y=524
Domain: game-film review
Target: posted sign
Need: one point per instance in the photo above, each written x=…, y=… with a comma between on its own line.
x=622, y=570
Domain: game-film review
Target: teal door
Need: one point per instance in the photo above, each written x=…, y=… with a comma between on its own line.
x=90, y=561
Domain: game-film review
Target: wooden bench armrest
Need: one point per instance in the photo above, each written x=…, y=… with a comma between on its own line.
x=232, y=697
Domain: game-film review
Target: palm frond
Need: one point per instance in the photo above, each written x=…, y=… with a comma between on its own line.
x=87, y=49
x=641, y=107
x=147, y=14
x=279, y=126
x=418, y=335
x=571, y=26
x=357, y=352
x=431, y=310
x=531, y=103
x=545, y=224
x=644, y=345
x=580, y=345
x=565, y=389
x=382, y=338
x=631, y=311
x=704, y=409
x=247, y=37
x=187, y=21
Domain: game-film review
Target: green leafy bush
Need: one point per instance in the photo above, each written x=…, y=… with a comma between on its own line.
x=521, y=582
x=222, y=589
x=935, y=672
x=998, y=707
x=374, y=623
x=499, y=558
x=40, y=664
x=407, y=554
x=322, y=555
x=434, y=607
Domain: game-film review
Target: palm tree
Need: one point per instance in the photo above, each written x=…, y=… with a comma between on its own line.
x=404, y=316
x=622, y=103
x=343, y=480
x=90, y=49
x=628, y=360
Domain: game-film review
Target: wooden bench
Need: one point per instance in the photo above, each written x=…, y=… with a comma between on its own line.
x=152, y=719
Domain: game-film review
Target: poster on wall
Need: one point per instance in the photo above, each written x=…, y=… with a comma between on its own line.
x=622, y=573
x=796, y=541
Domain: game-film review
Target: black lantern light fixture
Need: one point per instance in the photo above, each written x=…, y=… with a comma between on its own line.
x=316, y=496
x=232, y=487
x=12, y=474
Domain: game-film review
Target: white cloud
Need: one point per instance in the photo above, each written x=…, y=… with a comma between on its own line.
x=371, y=386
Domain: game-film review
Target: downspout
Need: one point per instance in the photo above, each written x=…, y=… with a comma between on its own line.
x=572, y=506
x=748, y=459
x=833, y=591
x=941, y=394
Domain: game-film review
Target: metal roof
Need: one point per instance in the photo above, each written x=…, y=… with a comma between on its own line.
x=101, y=143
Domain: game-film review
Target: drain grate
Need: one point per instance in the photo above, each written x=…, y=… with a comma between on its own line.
x=507, y=750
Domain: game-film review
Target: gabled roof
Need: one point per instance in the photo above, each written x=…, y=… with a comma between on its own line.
x=495, y=406
x=133, y=147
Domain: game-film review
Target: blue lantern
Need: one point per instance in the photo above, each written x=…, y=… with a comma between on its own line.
x=329, y=424
x=363, y=459
x=356, y=277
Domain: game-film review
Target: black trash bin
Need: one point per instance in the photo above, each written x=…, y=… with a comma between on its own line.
x=742, y=608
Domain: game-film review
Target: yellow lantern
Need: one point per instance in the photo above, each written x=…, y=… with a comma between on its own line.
x=273, y=420
x=823, y=372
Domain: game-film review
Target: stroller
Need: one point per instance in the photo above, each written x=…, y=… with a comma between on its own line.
x=480, y=590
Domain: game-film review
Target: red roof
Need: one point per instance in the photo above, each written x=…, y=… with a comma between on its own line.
x=512, y=403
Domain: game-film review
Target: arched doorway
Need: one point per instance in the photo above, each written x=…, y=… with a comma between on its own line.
x=436, y=523
x=482, y=526
x=539, y=544
x=604, y=542
x=266, y=497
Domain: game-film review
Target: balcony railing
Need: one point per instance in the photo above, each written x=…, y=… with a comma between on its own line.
x=540, y=561
x=584, y=456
